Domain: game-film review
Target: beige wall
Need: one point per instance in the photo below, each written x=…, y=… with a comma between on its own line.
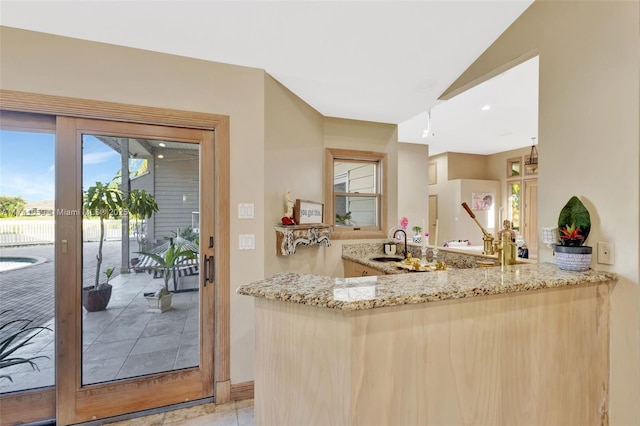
x=294, y=159
x=589, y=109
x=39, y=63
x=367, y=136
x=364, y=136
x=445, y=191
x=277, y=141
x=497, y=163
x=453, y=221
x=413, y=191
x=442, y=167
x=458, y=176
x=467, y=166
x=497, y=170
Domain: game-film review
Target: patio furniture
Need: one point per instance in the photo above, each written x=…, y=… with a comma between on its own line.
x=186, y=267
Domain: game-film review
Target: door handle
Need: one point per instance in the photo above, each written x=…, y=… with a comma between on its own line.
x=208, y=269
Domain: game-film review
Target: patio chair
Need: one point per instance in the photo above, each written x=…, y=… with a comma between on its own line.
x=187, y=267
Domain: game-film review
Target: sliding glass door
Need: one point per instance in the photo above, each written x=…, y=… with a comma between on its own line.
x=27, y=264
x=133, y=297
x=107, y=245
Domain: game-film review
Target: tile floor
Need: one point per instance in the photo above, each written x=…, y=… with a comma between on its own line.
x=124, y=340
x=238, y=413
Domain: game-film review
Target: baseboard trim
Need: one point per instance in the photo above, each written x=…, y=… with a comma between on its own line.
x=241, y=391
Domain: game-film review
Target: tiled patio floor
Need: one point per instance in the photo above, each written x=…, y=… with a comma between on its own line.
x=124, y=340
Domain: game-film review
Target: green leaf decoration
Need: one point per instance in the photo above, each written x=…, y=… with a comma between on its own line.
x=575, y=214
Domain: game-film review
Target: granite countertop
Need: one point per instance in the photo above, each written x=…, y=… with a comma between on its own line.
x=350, y=294
x=363, y=253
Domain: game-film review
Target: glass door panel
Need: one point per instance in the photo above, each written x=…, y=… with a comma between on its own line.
x=27, y=264
x=27, y=259
x=145, y=320
x=137, y=296
x=514, y=209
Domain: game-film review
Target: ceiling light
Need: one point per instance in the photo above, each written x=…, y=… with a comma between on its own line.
x=486, y=107
x=162, y=144
x=532, y=161
x=427, y=131
x=160, y=156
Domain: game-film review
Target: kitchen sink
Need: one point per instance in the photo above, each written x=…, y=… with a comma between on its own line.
x=387, y=258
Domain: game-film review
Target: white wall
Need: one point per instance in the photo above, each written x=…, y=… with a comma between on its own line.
x=413, y=188
x=466, y=227
x=589, y=109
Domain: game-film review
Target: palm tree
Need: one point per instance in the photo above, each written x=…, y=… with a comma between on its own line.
x=141, y=206
x=105, y=201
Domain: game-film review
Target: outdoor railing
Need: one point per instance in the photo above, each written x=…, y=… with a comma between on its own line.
x=16, y=231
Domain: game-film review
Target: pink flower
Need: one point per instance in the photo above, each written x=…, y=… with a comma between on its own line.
x=404, y=222
x=426, y=234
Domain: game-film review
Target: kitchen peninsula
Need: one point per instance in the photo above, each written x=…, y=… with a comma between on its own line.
x=523, y=344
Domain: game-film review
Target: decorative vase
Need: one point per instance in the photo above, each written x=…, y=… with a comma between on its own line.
x=96, y=300
x=573, y=258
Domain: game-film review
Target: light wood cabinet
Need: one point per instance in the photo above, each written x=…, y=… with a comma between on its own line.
x=532, y=357
x=354, y=269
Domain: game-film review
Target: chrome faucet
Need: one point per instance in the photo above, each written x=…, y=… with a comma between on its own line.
x=405, y=240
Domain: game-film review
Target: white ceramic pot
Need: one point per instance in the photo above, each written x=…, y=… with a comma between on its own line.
x=573, y=258
x=159, y=304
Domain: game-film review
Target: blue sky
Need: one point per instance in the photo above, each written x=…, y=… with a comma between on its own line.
x=27, y=164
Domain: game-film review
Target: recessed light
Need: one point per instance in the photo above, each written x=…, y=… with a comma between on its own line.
x=160, y=156
x=162, y=144
x=486, y=107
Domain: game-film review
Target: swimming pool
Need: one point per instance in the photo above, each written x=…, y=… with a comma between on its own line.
x=9, y=263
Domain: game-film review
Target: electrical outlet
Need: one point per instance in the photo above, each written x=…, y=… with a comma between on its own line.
x=606, y=252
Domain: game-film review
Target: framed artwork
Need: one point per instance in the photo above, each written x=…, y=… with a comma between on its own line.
x=308, y=212
x=481, y=200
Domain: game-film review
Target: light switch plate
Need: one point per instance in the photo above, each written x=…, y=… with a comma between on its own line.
x=247, y=241
x=606, y=252
x=245, y=211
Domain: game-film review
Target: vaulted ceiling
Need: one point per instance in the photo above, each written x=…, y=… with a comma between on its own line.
x=383, y=61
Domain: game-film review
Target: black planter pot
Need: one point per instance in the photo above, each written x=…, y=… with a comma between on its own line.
x=96, y=300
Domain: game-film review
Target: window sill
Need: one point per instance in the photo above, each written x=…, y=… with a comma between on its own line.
x=349, y=234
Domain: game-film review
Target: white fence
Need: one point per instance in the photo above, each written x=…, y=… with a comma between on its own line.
x=16, y=231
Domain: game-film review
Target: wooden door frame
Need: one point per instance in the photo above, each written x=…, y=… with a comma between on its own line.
x=82, y=108
x=432, y=219
x=527, y=213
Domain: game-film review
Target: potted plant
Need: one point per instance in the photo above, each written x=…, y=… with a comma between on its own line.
x=574, y=224
x=97, y=300
x=167, y=262
x=20, y=335
x=417, y=231
x=105, y=201
x=344, y=219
